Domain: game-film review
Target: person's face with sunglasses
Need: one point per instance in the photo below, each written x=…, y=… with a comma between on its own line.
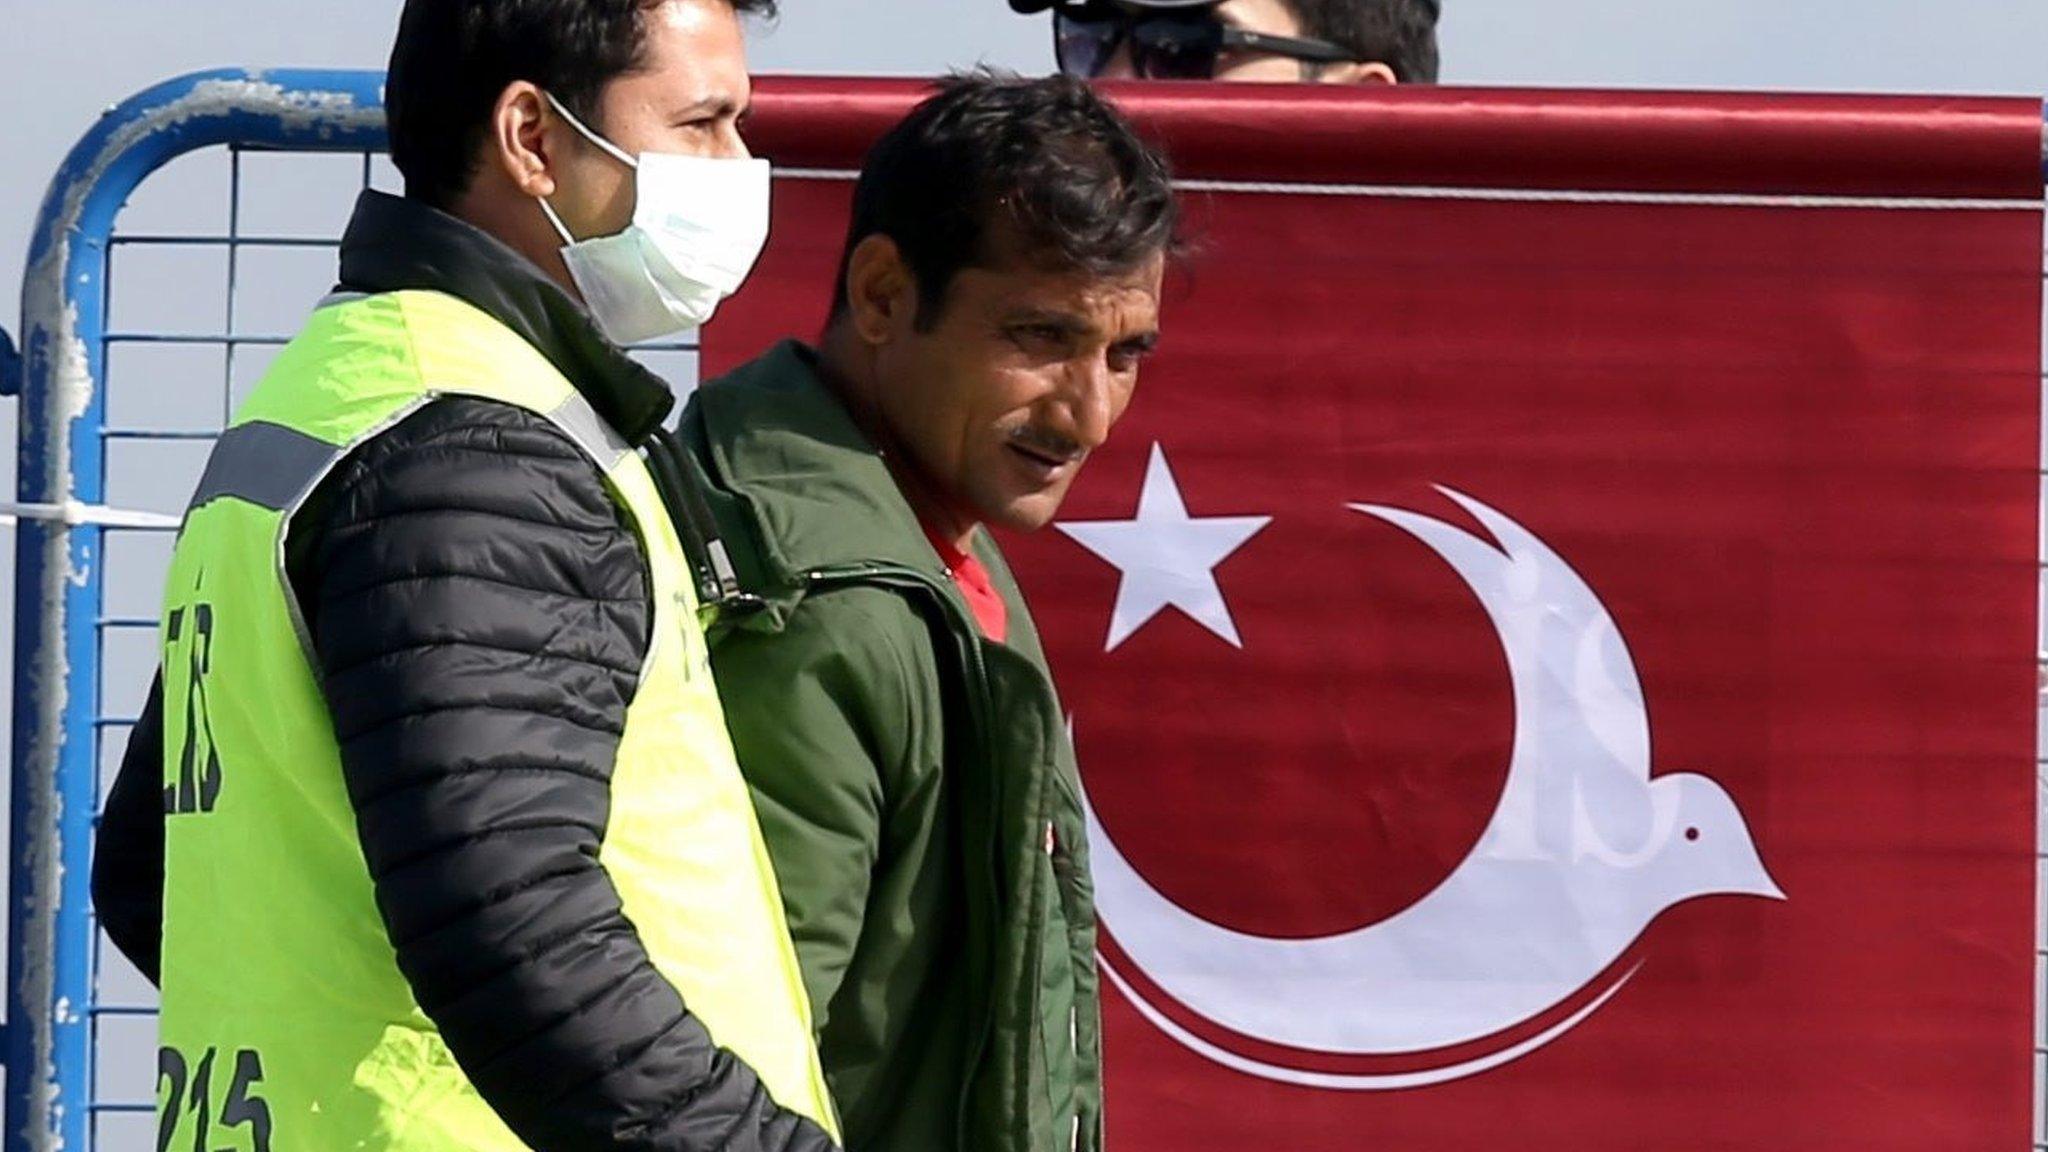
x=1257, y=41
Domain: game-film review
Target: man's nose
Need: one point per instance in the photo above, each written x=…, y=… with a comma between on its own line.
x=732, y=145
x=1087, y=403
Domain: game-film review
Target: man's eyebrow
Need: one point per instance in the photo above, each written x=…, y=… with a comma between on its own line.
x=1066, y=322
x=720, y=106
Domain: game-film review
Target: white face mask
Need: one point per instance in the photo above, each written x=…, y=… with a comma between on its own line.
x=698, y=226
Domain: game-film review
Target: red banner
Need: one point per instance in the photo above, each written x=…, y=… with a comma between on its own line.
x=1551, y=646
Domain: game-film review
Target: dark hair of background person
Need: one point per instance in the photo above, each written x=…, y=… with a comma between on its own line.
x=1045, y=165
x=453, y=58
x=1398, y=33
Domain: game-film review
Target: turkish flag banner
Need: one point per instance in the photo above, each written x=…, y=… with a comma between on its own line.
x=1551, y=648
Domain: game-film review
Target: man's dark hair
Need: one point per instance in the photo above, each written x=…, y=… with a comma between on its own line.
x=1398, y=33
x=995, y=166
x=453, y=58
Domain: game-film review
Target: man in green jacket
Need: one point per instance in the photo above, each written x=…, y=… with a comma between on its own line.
x=883, y=681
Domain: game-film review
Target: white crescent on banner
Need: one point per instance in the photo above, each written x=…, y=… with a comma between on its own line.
x=1583, y=851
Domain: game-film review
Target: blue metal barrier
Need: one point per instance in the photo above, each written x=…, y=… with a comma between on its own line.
x=60, y=626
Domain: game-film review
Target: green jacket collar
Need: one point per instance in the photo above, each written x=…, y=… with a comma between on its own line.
x=816, y=491
x=396, y=245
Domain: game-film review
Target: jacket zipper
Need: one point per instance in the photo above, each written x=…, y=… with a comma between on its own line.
x=984, y=708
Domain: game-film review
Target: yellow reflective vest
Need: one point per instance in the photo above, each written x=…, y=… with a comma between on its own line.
x=286, y=1022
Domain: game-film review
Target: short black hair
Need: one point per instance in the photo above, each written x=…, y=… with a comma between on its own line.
x=1398, y=33
x=454, y=58
x=1045, y=164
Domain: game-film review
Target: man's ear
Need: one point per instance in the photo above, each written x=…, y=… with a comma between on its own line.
x=881, y=290
x=522, y=141
x=1372, y=72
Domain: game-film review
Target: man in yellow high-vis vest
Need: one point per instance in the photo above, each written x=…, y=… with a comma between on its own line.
x=432, y=833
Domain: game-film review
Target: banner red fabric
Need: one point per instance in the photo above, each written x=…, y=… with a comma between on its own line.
x=1552, y=673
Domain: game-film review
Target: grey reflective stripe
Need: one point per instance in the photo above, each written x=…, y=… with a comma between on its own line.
x=581, y=422
x=268, y=465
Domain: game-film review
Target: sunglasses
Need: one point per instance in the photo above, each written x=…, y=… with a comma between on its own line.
x=1169, y=45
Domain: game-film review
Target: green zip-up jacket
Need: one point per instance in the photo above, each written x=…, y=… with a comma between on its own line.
x=914, y=781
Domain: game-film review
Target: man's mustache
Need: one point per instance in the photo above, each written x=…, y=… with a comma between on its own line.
x=1051, y=445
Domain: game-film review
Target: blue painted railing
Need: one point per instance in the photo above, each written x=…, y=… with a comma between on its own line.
x=59, y=592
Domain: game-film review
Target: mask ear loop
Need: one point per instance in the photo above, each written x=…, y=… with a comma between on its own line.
x=609, y=148
x=561, y=229
x=616, y=152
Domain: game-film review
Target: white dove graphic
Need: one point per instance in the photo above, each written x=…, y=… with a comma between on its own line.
x=1584, y=850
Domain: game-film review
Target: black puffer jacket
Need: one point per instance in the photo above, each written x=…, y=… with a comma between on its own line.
x=512, y=665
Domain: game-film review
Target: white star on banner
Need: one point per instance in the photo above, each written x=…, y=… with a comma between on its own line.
x=1168, y=558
